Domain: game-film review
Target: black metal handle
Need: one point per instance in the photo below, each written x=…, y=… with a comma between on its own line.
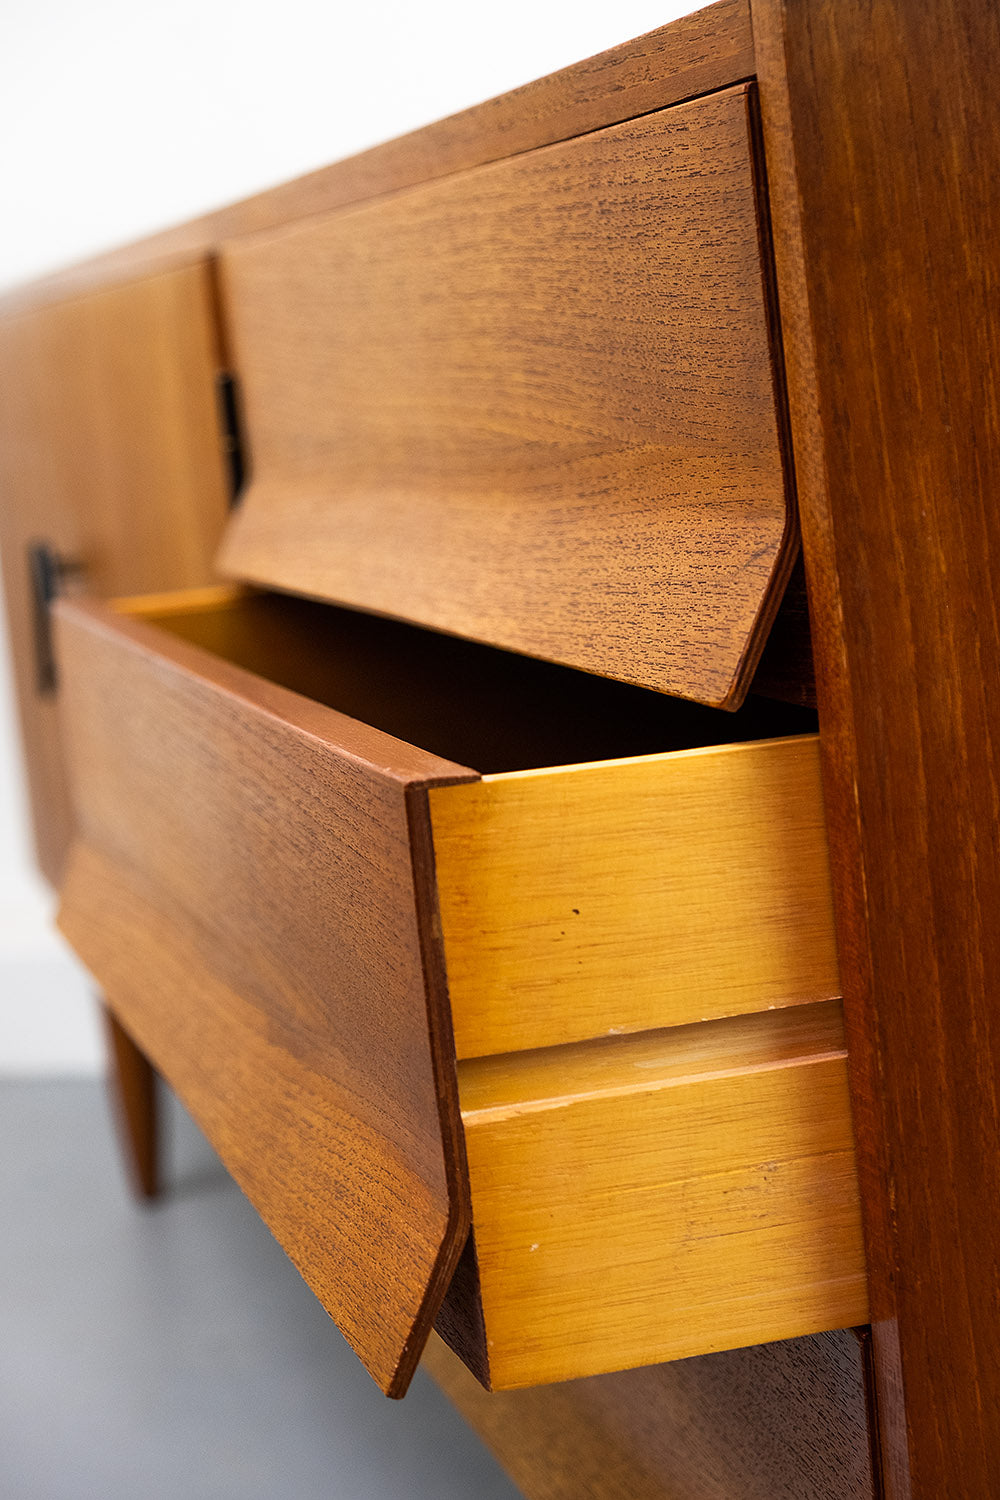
x=231, y=428
x=47, y=571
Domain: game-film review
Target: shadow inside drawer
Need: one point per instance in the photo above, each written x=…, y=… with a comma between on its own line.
x=467, y=702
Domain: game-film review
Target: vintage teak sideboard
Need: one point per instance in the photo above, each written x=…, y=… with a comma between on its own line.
x=507, y=650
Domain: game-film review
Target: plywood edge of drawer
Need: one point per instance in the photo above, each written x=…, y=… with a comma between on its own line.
x=590, y=900
x=655, y=1197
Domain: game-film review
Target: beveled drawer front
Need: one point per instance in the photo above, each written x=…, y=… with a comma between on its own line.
x=250, y=886
x=257, y=886
x=531, y=404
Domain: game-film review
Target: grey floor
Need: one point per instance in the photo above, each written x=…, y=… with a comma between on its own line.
x=172, y=1353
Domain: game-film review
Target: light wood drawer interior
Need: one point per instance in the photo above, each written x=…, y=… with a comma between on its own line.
x=630, y=903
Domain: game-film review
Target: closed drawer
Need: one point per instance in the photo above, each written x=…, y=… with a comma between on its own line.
x=533, y=403
x=628, y=1093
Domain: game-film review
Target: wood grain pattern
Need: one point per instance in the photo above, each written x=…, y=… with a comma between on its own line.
x=607, y=898
x=654, y=1197
x=781, y=1421
x=109, y=450
x=532, y=405
x=133, y=1084
x=251, y=887
x=883, y=148
x=695, y=54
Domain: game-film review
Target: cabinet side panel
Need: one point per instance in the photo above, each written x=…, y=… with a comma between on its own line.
x=883, y=150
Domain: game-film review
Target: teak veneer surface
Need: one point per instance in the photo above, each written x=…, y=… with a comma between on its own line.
x=882, y=135
x=696, y=54
x=109, y=452
x=532, y=405
x=251, y=885
x=619, y=891
x=781, y=1421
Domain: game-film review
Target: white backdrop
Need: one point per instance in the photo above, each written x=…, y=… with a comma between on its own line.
x=117, y=119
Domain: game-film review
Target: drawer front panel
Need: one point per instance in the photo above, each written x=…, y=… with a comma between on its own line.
x=251, y=887
x=531, y=404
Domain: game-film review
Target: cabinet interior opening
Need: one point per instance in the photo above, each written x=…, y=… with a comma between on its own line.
x=485, y=708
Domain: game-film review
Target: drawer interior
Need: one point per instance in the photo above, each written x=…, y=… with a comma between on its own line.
x=466, y=702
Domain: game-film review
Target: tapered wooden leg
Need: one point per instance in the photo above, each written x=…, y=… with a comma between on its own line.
x=132, y=1081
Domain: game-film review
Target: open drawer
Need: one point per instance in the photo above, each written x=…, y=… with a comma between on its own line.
x=581, y=998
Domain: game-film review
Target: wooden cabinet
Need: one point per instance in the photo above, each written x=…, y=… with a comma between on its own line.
x=474, y=861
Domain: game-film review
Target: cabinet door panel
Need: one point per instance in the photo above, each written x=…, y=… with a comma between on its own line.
x=109, y=453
